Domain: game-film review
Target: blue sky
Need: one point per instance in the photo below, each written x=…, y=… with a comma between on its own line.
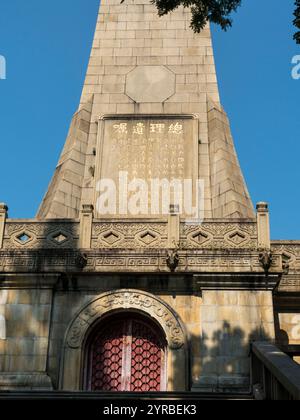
x=47, y=45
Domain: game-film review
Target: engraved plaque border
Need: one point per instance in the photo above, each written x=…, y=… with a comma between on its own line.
x=129, y=117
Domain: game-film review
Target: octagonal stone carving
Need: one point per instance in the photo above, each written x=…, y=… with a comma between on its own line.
x=150, y=84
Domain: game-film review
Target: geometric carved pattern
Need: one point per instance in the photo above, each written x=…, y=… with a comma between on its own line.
x=125, y=234
x=111, y=237
x=59, y=238
x=200, y=238
x=290, y=253
x=126, y=356
x=154, y=260
x=147, y=237
x=106, y=354
x=146, y=368
x=33, y=245
x=41, y=235
x=236, y=238
x=129, y=235
x=23, y=238
x=219, y=235
x=290, y=283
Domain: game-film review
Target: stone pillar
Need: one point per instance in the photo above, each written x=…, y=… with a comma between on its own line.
x=3, y=301
x=3, y=216
x=263, y=226
x=86, y=221
x=173, y=228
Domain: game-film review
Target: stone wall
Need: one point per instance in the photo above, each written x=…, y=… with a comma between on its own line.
x=142, y=64
x=219, y=326
x=25, y=338
x=287, y=324
x=230, y=321
x=185, y=304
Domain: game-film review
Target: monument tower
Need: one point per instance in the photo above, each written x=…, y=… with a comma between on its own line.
x=145, y=68
x=106, y=290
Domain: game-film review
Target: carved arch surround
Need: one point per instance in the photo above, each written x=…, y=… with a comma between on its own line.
x=120, y=300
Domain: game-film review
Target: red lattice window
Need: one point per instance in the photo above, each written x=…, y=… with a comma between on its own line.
x=127, y=354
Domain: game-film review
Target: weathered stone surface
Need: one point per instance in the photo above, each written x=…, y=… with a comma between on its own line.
x=62, y=199
x=20, y=381
x=144, y=64
x=230, y=320
x=150, y=84
x=60, y=277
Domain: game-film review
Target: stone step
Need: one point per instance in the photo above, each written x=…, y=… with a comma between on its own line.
x=62, y=395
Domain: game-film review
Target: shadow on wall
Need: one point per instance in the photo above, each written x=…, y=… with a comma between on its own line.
x=287, y=326
x=219, y=360
x=224, y=362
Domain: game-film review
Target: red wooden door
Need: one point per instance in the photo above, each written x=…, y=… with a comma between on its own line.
x=127, y=354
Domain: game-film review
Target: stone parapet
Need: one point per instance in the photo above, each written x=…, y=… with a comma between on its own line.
x=129, y=234
x=138, y=245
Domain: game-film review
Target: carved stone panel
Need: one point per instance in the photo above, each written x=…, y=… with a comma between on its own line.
x=219, y=235
x=129, y=235
x=41, y=235
x=141, y=160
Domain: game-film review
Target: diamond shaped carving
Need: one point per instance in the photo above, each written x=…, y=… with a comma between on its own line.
x=59, y=237
x=237, y=238
x=200, y=237
x=111, y=237
x=23, y=238
x=147, y=237
x=150, y=84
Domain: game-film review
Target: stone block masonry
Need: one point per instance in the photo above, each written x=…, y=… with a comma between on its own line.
x=141, y=64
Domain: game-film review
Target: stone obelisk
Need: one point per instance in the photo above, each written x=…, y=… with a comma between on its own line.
x=144, y=69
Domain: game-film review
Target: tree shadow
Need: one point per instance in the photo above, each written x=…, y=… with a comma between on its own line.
x=224, y=362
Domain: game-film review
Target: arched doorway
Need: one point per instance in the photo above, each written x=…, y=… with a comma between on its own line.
x=126, y=352
x=90, y=316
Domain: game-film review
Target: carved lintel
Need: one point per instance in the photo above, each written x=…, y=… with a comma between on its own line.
x=290, y=283
x=235, y=281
